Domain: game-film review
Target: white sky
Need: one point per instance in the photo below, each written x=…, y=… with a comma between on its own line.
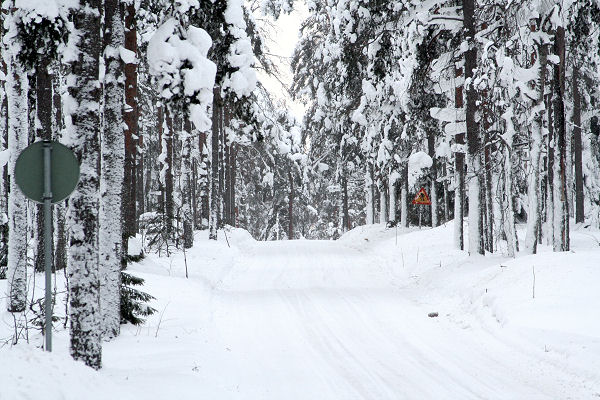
x=284, y=40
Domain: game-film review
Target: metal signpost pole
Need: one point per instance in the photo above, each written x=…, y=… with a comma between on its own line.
x=33, y=174
x=48, y=240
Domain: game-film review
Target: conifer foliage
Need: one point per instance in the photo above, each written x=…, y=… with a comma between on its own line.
x=133, y=307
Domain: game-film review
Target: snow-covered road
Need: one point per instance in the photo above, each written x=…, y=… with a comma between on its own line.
x=328, y=320
x=341, y=320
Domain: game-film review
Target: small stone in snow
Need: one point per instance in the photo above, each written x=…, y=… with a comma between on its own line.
x=432, y=314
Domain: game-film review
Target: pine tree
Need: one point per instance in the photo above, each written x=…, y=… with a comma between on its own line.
x=83, y=262
x=113, y=155
x=16, y=93
x=131, y=114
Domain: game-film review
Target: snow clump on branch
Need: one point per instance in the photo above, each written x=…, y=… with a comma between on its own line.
x=178, y=60
x=241, y=56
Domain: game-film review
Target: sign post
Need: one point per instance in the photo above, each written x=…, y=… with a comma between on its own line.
x=48, y=241
x=421, y=199
x=47, y=172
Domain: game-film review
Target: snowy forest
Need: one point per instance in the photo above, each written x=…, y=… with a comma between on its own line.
x=186, y=155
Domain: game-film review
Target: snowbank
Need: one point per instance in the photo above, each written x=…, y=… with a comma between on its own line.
x=341, y=319
x=28, y=373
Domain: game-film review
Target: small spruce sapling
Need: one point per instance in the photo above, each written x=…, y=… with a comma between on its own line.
x=133, y=301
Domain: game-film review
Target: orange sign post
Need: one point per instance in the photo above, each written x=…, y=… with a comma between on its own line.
x=421, y=199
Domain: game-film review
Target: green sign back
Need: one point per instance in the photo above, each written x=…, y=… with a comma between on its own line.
x=29, y=172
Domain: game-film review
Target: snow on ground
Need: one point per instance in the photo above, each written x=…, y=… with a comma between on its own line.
x=342, y=320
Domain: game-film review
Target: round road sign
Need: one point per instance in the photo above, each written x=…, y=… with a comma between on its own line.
x=29, y=171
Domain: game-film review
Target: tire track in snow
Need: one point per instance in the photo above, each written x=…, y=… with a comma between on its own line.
x=365, y=340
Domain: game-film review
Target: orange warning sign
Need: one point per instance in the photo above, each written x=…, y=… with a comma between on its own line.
x=422, y=198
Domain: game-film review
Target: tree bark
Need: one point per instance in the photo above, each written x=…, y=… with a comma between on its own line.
x=346, y=210
x=369, y=192
x=432, y=188
x=43, y=130
x=226, y=170
x=459, y=167
x=291, y=207
x=160, y=114
x=169, y=187
x=131, y=120
x=60, y=252
x=16, y=92
x=550, y=172
x=392, y=189
x=534, y=187
x=577, y=148
x=233, y=170
x=204, y=181
x=139, y=179
x=215, y=187
x=113, y=156
x=473, y=142
x=188, y=222
x=404, y=197
x=84, y=283
x=383, y=211
x=508, y=205
x=221, y=163
x=4, y=184
x=489, y=198
x=561, y=189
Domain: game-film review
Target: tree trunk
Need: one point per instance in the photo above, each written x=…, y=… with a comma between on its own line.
x=392, y=189
x=432, y=188
x=226, y=170
x=533, y=186
x=291, y=207
x=561, y=189
x=204, y=181
x=43, y=130
x=160, y=114
x=113, y=156
x=16, y=93
x=577, y=148
x=84, y=283
x=4, y=189
x=221, y=165
x=550, y=172
x=194, y=187
x=404, y=197
x=446, y=196
x=473, y=142
x=489, y=199
x=131, y=120
x=169, y=187
x=139, y=179
x=383, y=212
x=346, y=210
x=509, y=212
x=369, y=192
x=459, y=166
x=214, y=164
x=188, y=222
x=60, y=253
x=233, y=165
